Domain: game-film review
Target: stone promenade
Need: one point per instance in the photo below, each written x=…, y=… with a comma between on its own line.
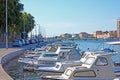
x=3, y=53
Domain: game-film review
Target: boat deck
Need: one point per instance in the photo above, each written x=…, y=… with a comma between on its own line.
x=4, y=52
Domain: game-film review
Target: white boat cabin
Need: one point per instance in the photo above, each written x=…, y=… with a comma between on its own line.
x=65, y=53
x=61, y=66
x=96, y=67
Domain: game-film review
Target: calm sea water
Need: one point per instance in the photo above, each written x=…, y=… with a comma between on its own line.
x=84, y=45
x=92, y=44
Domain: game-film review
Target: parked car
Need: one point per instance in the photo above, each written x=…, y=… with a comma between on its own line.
x=17, y=43
x=27, y=42
x=23, y=41
x=32, y=41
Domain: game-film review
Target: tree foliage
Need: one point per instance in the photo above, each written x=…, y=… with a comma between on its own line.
x=17, y=19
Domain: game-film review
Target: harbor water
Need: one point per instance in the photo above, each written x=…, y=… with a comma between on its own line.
x=16, y=72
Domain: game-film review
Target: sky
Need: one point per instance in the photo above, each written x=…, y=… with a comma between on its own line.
x=57, y=17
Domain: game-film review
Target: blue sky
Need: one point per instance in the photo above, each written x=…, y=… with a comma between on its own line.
x=73, y=16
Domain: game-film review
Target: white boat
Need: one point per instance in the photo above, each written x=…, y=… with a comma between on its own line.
x=64, y=53
x=61, y=66
x=37, y=51
x=96, y=67
x=32, y=53
x=114, y=43
x=49, y=59
x=50, y=48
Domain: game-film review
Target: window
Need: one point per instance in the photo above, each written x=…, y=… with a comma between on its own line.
x=68, y=72
x=101, y=61
x=65, y=48
x=83, y=55
x=84, y=74
x=90, y=60
x=41, y=55
x=62, y=55
x=57, y=66
x=86, y=56
x=51, y=55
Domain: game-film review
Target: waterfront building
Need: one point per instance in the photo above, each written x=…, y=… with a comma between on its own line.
x=84, y=35
x=66, y=35
x=113, y=34
x=98, y=34
x=75, y=35
x=118, y=28
x=105, y=34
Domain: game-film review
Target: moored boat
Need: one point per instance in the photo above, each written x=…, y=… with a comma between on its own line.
x=63, y=53
x=96, y=67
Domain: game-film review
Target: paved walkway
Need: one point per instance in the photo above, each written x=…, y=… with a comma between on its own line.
x=3, y=52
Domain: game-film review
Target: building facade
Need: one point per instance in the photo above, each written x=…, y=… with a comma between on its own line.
x=66, y=35
x=98, y=34
x=84, y=35
x=118, y=28
x=104, y=35
x=75, y=35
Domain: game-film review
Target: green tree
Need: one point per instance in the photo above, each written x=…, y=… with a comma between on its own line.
x=16, y=19
x=27, y=22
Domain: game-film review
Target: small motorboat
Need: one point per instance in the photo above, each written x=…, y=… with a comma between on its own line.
x=97, y=66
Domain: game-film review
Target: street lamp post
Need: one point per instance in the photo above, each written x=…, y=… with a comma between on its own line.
x=31, y=27
x=6, y=24
x=38, y=34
